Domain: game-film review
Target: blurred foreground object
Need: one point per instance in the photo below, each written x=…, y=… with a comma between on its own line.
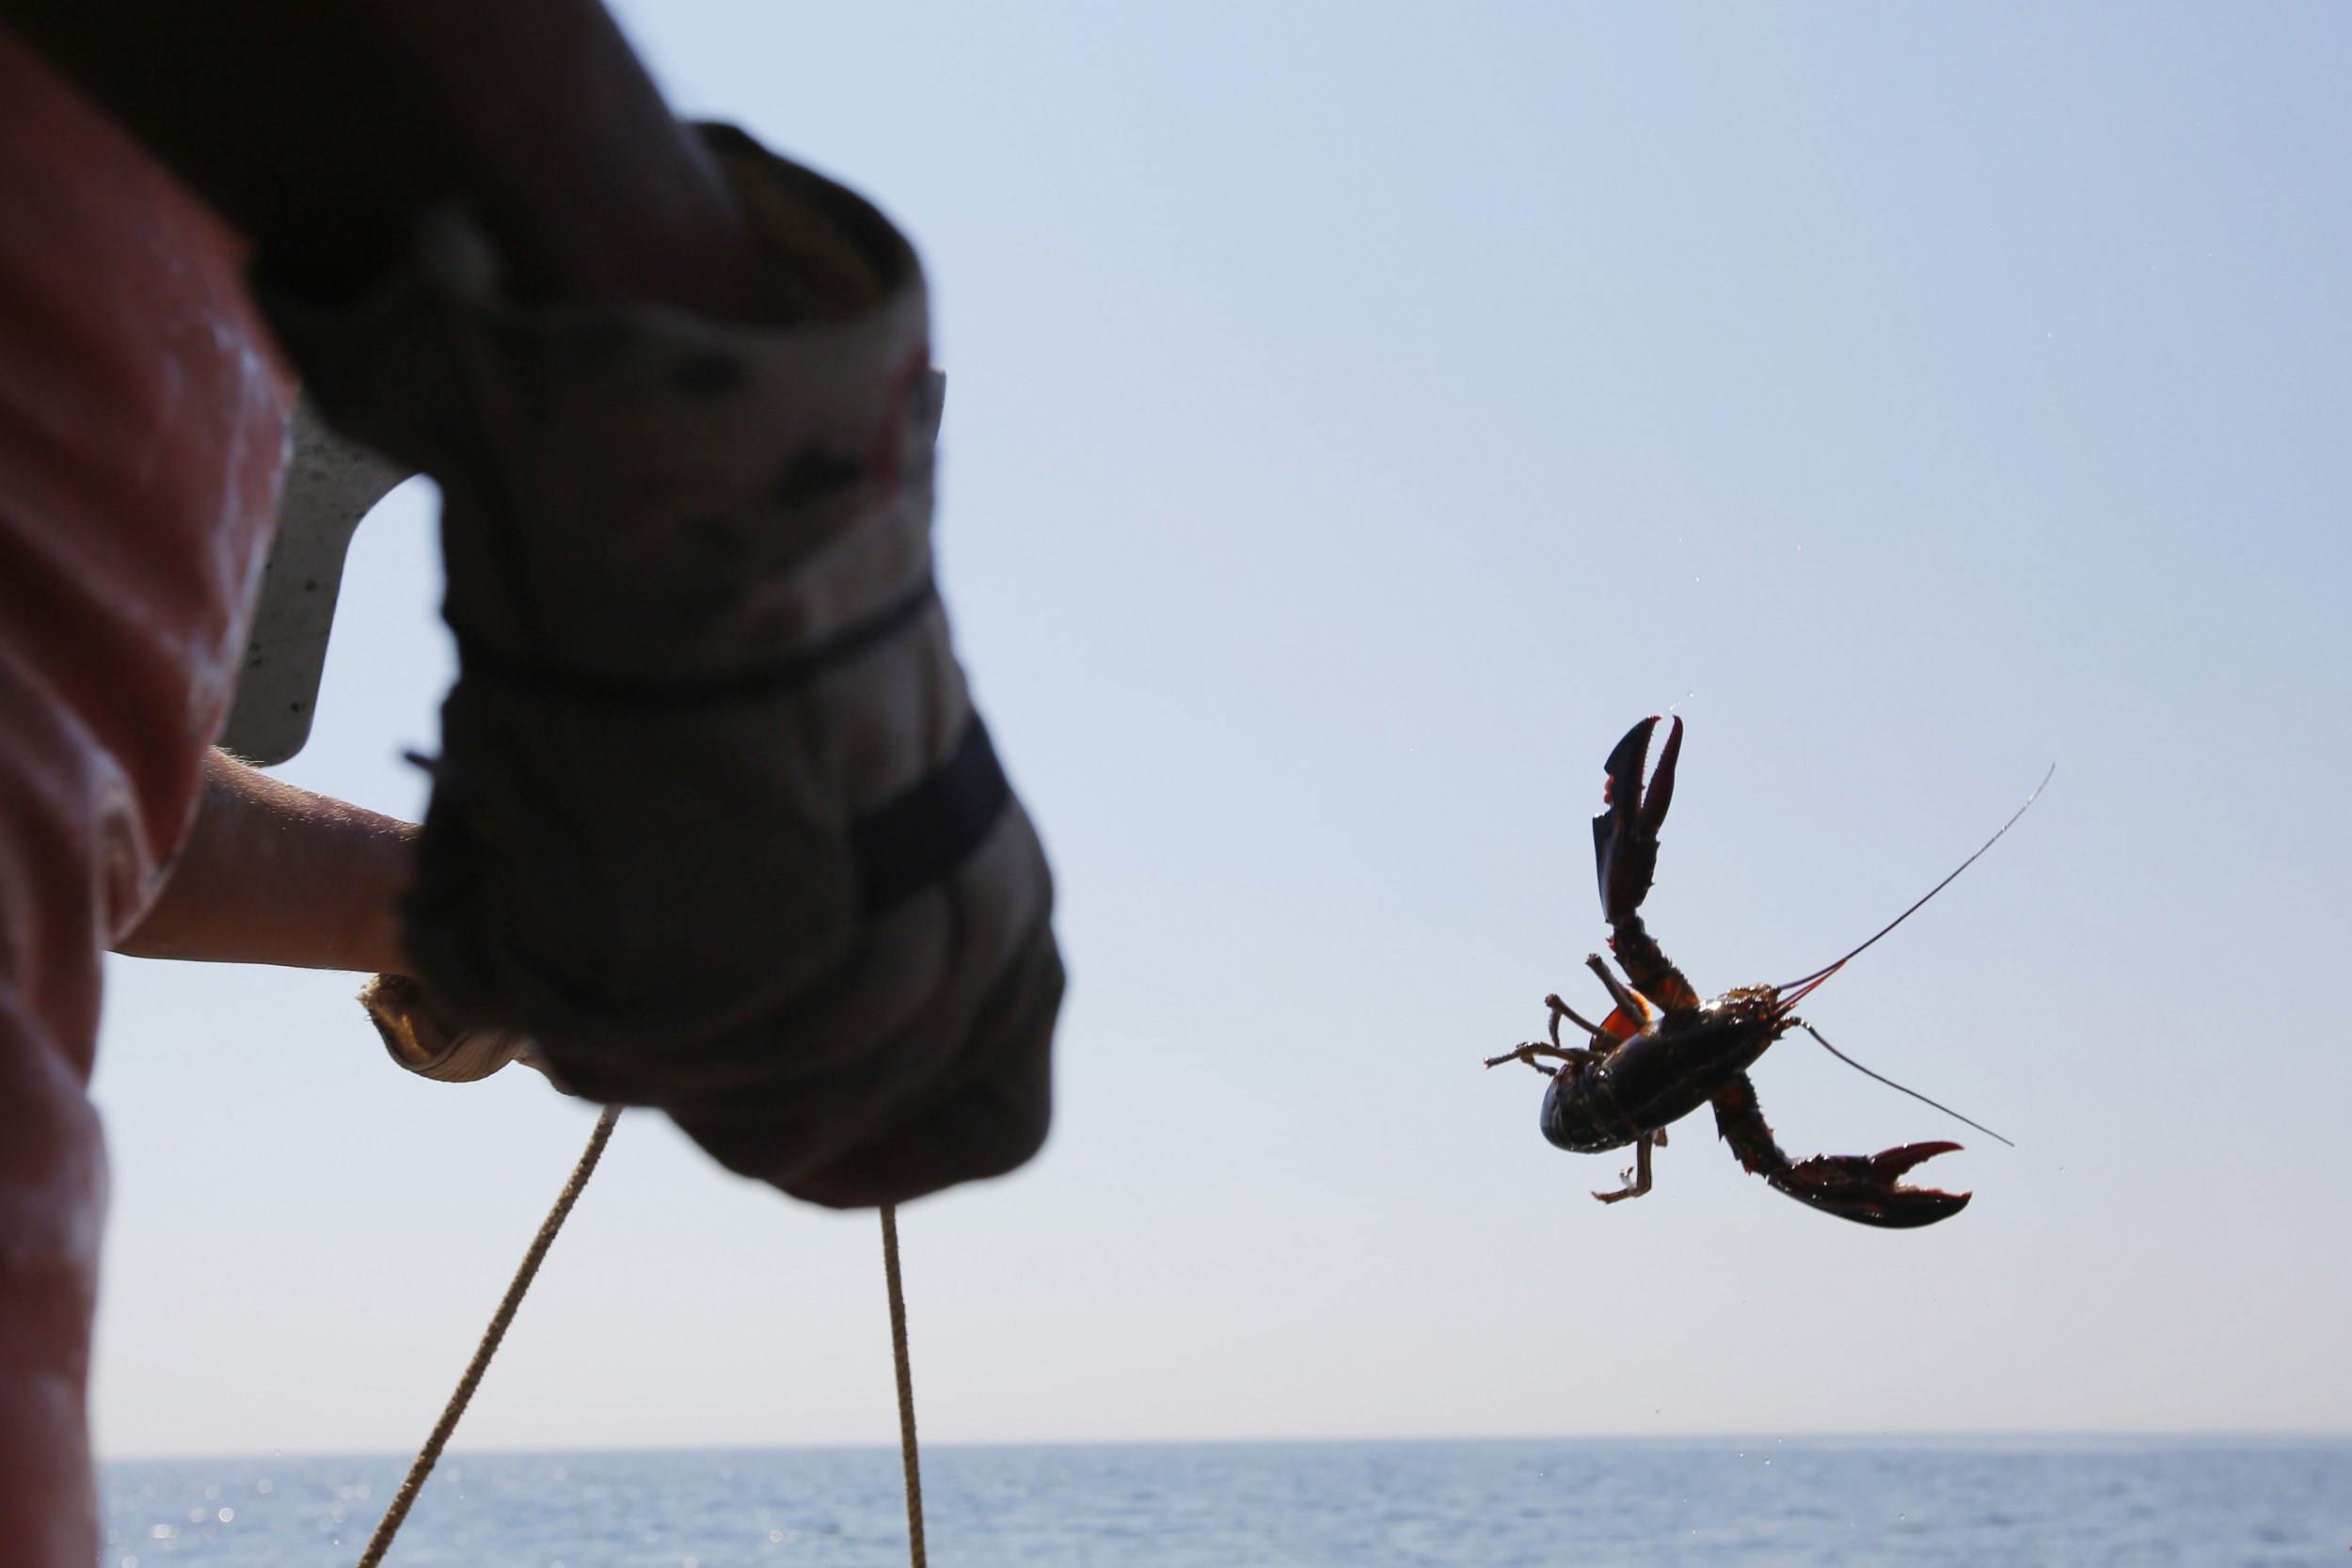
x=142, y=413
x=714, y=820
x=330, y=484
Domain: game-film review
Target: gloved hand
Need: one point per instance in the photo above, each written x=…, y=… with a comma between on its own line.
x=713, y=820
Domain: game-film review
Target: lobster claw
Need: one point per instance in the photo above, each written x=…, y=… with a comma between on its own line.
x=1624, y=833
x=1866, y=1189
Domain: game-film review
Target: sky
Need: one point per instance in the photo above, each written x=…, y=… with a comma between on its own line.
x=1358, y=416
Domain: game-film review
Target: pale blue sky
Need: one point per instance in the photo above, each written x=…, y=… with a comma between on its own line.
x=1358, y=415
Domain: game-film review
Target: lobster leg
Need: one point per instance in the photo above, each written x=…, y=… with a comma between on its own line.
x=1625, y=852
x=1866, y=1189
x=1560, y=1009
x=1573, y=1055
x=1637, y=1180
x=1630, y=1008
x=1528, y=1052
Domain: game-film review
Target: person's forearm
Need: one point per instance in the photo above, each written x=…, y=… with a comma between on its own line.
x=326, y=131
x=276, y=874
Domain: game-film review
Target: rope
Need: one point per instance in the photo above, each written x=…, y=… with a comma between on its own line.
x=387, y=1527
x=906, y=1383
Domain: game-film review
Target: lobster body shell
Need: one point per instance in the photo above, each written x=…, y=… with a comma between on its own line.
x=1671, y=1068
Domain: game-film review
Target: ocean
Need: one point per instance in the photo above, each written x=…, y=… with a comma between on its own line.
x=1764, y=1503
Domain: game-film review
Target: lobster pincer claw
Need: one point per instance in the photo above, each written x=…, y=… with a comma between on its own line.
x=1867, y=1189
x=1624, y=833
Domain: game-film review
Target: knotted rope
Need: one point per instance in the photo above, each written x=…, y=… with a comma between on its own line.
x=387, y=1527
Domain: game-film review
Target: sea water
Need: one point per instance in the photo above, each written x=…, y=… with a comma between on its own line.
x=1766, y=1502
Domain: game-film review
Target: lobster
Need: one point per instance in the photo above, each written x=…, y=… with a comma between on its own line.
x=1662, y=1053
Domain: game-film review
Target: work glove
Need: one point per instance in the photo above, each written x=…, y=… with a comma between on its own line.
x=713, y=820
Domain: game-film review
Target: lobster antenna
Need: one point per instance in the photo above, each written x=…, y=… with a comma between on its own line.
x=1799, y=989
x=1892, y=1084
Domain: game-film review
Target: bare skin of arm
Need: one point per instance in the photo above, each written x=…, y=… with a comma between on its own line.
x=276, y=874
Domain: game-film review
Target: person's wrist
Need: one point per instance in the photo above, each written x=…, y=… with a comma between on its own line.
x=378, y=944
